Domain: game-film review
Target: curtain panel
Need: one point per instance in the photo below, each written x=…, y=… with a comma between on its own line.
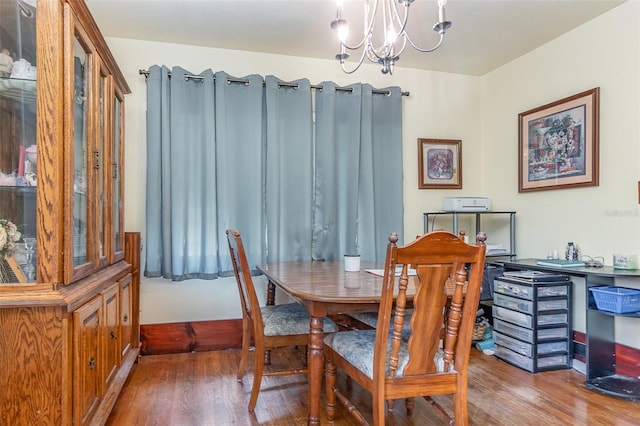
x=289, y=170
x=245, y=153
x=358, y=184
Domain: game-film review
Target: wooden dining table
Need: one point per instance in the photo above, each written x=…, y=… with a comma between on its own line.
x=324, y=288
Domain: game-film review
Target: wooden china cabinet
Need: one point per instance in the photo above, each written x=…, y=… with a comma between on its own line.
x=68, y=287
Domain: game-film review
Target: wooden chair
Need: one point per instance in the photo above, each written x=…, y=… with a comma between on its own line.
x=370, y=319
x=395, y=362
x=269, y=326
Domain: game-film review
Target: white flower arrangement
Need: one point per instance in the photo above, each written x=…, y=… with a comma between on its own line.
x=9, y=236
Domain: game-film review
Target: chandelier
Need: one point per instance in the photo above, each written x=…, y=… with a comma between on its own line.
x=388, y=52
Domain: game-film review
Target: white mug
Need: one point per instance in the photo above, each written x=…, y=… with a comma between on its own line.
x=352, y=262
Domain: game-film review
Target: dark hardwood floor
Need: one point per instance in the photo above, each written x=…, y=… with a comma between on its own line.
x=201, y=389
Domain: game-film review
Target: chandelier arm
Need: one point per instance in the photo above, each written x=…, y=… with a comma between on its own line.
x=359, y=63
x=403, y=22
x=423, y=50
x=368, y=30
x=376, y=58
x=387, y=54
x=344, y=69
x=371, y=53
x=404, y=44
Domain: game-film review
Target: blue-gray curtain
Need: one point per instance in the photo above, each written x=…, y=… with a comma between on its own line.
x=239, y=168
x=199, y=132
x=223, y=154
x=180, y=236
x=358, y=184
x=289, y=169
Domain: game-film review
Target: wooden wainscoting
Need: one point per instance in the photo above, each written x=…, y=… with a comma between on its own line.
x=200, y=336
x=193, y=336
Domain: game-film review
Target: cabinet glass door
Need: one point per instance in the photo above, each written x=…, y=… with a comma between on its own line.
x=101, y=155
x=18, y=149
x=117, y=182
x=80, y=252
x=80, y=163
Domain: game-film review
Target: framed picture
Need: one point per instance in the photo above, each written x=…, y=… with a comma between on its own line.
x=439, y=164
x=558, y=144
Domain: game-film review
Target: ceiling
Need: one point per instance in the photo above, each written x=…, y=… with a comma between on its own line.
x=485, y=33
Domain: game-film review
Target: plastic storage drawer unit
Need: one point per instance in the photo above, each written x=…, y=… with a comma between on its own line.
x=532, y=322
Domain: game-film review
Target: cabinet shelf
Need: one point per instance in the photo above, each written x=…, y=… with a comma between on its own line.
x=30, y=190
x=22, y=90
x=455, y=220
x=613, y=314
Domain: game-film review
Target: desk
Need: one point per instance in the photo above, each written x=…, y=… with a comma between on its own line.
x=321, y=287
x=605, y=372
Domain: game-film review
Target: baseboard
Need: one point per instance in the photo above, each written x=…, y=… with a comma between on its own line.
x=627, y=358
x=193, y=336
x=579, y=366
x=200, y=336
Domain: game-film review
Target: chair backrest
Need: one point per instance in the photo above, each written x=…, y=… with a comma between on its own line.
x=248, y=298
x=439, y=259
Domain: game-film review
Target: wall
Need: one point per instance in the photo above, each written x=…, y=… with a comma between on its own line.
x=603, y=220
x=481, y=111
x=440, y=105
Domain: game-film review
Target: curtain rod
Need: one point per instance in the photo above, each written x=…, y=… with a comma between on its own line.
x=280, y=84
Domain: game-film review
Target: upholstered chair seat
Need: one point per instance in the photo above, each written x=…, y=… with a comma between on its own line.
x=357, y=348
x=290, y=319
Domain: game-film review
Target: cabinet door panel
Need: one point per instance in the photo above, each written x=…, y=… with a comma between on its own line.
x=87, y=375
x=111, y=299
x=126, y=318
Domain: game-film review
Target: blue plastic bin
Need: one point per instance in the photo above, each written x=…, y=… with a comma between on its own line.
x=619, y=300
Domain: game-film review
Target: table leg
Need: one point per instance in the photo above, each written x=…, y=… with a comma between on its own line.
x=271, y=300
x=271, y=293
x=316, y=360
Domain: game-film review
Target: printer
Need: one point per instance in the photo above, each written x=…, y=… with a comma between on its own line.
x=466, y=204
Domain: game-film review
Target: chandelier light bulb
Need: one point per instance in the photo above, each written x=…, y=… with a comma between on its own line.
x=390, y=38
x=394, y=28
x=343, y=32
x=441, y=13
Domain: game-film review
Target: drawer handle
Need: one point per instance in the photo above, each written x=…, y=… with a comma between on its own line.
x=113, y=335
x=92, y=363
x=126, y=318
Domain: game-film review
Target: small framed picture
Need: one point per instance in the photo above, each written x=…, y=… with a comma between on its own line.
x=439, y=164
x=558, y=144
